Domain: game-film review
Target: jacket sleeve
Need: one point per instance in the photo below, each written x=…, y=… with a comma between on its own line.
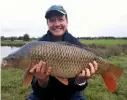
x=76, y=86
x=38, y=89
x=47, y=90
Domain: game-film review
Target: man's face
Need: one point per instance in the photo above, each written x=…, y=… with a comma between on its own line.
x=57, y=25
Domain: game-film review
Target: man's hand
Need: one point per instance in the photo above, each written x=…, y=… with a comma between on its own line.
x=41, y=72
x=87, y=73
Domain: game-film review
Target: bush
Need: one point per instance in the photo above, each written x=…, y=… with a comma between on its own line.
x=26, y=37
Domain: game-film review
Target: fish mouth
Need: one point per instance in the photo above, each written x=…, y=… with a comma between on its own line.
x=4, y=64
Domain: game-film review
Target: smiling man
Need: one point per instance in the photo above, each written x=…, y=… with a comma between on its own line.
x=46, y=87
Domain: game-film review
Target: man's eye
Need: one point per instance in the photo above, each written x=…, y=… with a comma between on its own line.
x=51, y=20
x=61, y=19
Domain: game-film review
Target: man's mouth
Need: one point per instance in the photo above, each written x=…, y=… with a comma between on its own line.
x=57, y=29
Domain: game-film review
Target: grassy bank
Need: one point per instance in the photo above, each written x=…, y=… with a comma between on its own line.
x=13, y=43
x=103, y=42
x=11, y=85
x=11, y=81
x=97, y=90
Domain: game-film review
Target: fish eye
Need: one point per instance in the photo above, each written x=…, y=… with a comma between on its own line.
x=13, y=57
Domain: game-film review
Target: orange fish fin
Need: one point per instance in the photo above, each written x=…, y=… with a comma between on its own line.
x=62, y=80
x=110, y=81
x=27, y=79
x=117, y=72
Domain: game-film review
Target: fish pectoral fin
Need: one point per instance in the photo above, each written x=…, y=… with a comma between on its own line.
x=63, y=80
x=27, y=79
x=110, y=81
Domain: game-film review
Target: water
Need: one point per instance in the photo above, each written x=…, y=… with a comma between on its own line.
x=5, y=50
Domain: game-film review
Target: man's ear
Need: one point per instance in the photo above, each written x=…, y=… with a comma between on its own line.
x=67, y=22
x=47, y=21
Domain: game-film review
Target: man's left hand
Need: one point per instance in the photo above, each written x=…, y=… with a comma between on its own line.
x=87, y=73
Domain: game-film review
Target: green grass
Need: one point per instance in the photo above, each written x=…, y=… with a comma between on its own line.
x=95, y=41
x=105, y=42
x=11, y=84
x=97, y=90
x=13, y=43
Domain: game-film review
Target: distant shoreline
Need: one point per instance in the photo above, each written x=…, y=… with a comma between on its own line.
x=105, y=42
x=102, y=47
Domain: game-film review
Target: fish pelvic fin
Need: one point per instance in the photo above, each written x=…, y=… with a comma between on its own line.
x=110, y=77
x=63, y=80
x=27, y=77
x=27, y=80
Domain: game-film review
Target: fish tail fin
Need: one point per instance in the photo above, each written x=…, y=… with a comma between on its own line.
x=117, y=72
x=27, y=80
x=110, y=77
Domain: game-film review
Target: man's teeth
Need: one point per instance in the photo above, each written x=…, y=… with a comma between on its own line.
x=57, y=29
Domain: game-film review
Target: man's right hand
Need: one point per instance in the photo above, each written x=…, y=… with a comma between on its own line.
x=41, y=72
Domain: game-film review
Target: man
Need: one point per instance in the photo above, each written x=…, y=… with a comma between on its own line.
x=46, y=87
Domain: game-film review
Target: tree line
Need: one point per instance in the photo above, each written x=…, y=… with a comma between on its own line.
x=26, y=37
x=102, y=37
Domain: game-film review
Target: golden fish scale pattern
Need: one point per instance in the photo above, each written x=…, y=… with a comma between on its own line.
x=103, y=65
x=66, y=61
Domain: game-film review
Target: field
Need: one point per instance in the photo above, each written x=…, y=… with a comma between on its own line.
x=97, y=90
x=11, y=81
x=105, y=42
x=12, y=43
x=87, y=42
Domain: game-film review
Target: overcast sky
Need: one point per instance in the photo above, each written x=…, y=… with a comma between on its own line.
x=86, y=17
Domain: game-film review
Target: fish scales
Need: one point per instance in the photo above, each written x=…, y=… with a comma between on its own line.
x=66, y=61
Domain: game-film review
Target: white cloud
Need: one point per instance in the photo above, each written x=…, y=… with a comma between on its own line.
x=86, y=17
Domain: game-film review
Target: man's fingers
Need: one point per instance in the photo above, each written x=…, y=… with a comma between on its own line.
x=88, y=74
x=49, y=71
x=92, y=69
x=83, y=73
x=42, y=70
x=95, y=65
x=32, y=70
x=39, y=67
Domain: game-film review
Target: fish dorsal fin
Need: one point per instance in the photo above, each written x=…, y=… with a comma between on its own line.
x=68, y=44
x=82, y=47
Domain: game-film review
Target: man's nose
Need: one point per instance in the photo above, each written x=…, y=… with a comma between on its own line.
x=57, y=23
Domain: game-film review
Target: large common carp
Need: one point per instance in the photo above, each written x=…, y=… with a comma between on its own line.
x=67, y=61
